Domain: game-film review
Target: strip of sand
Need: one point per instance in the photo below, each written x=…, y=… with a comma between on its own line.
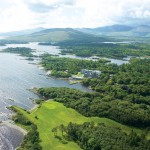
x=11, y=124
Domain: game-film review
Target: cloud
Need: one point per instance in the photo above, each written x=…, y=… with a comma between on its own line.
x=45, y=6
x=41, y=8
x=66, y=2
x=139, y=12
x=134, y=12
x=20, y=14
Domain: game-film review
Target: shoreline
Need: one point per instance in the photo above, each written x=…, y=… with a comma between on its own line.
x=14, y=133
x=34, y=108
x=11, y=124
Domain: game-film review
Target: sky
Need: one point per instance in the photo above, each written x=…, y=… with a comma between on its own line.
x=24, y=14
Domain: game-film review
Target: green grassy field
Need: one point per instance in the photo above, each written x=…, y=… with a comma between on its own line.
x=52, y=114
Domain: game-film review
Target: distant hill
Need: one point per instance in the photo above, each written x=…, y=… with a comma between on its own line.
x=22, y=32
x=114, y=28
x=99, y=34
x=105, y=29
x=120, y=30
x=58, y=35
x=142, y=30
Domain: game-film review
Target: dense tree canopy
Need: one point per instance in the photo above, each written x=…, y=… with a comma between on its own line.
x=65, y=67
x=23, y=51
x=97, y=137
x=106, y=49
x=98, y=104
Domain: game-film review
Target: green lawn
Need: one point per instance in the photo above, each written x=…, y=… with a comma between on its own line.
x=52, y=114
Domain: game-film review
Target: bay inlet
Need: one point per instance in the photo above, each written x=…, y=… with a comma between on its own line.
x=17, y=76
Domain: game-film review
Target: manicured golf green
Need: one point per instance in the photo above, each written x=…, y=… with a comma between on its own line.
x=52, y=114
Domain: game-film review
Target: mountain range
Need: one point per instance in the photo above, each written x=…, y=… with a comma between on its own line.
x=120, y=30
x=58, y=35
x=22, y=32
x=100, y=34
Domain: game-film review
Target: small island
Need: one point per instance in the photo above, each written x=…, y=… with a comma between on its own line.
x=70, y=67
x=101, y=49
x=22, y=51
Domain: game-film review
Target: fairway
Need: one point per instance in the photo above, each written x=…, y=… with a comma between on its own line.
x=52, y=114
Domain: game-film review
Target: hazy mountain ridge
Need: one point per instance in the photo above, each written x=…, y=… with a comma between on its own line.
x=22, y=32
x=113, y=28
x=99, y=34
x=120, y=30
x=58, y=35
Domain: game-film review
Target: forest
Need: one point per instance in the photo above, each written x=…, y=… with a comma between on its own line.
x=96, y=137
x=121, y=95
x=109, y=50
x=23, y=51
x=65, y=67
x=101, y=49
x=101, y=105
x=91, y=136
x=5, y=42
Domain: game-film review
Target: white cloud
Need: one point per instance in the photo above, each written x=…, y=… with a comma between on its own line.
x=20, y=14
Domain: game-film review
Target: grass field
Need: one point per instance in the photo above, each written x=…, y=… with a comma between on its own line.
x=52, y=114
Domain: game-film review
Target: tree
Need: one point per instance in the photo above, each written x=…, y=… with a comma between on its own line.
x=54, y=130
x=62, y=128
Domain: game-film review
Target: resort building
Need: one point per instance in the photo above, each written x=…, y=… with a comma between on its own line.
x=90, y=73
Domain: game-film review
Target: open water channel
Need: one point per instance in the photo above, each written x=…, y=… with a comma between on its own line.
x=17, y=75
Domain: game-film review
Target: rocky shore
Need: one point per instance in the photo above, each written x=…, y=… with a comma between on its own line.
x=11, y=136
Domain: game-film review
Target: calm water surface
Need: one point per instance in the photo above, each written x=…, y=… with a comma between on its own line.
x=17, y=75
x=40, y=49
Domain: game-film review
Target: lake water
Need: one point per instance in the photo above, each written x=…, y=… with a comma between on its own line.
x=10, y=138
x=17, y=75
x=40, y=49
